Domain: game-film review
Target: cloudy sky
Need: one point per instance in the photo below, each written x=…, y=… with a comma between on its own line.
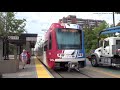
x=36, y=21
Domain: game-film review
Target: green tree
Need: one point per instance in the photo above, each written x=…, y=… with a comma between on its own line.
x=91, y=36
x=1, y=24
x=117, y=12
x=118, y=24
x=40, y=47
x=9, y=24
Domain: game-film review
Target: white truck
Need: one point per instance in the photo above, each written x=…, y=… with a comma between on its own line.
x=108, y=53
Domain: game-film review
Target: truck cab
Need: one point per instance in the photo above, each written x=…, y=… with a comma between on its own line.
x=108, y=46
x=108, y=52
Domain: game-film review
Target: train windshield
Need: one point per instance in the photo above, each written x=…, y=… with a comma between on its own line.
x=69, y=38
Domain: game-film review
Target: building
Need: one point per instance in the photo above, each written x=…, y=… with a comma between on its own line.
x=23, y=41
x=88, y=23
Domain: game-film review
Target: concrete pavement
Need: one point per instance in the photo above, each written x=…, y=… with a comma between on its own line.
x=28, y=72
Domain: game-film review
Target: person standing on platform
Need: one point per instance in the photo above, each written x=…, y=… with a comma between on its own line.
x=28, y=57
x=24, y=58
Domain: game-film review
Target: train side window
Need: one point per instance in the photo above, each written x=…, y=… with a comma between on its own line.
x=50, y=43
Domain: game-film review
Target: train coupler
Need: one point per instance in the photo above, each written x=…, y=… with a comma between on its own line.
x=73, y=65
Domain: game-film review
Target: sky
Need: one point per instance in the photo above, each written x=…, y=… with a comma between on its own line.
x=38, y=21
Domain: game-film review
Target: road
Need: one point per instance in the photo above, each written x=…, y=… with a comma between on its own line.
x=89, y=72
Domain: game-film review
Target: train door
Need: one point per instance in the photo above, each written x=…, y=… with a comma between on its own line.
x=49, y=47
x=44, y=53
x=49, y=52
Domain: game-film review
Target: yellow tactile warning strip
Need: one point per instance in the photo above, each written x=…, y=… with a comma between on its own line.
x=42, y=72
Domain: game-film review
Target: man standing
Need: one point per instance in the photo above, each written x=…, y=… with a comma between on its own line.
x=24, y=58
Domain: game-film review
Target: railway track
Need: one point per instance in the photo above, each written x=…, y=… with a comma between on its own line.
x=72, y=74
x=65, y=74
x=84, y=74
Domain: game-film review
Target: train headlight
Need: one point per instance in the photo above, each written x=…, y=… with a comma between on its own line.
x=80, y=55
x=60, y=55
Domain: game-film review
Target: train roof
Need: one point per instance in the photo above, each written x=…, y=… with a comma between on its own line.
x=65, y=25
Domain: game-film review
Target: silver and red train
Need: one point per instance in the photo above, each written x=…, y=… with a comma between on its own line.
x=64, y=46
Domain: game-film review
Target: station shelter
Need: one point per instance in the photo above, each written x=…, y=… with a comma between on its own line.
x=10, y=63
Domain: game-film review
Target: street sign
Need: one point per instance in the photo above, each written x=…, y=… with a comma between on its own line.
x=31, y=38
x=13, y=37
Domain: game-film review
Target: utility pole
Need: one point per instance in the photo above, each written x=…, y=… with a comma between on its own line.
x=114, y=19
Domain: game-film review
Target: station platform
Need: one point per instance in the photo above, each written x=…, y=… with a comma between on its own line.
x=33, y=70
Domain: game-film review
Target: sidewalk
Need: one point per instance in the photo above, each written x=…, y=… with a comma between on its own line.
x=28, y=72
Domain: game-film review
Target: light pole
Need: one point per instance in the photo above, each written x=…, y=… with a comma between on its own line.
x=114, y=19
